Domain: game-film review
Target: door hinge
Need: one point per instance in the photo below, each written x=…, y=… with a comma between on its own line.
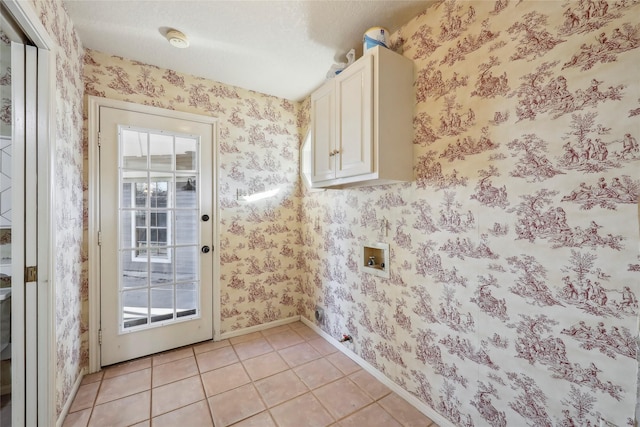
x=100, y=336
x=99, y=238
x=31, y=274
x=99, y=139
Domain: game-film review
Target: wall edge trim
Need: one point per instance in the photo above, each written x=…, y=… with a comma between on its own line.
x=411, y=399
x=258, y=328
x=67, y=405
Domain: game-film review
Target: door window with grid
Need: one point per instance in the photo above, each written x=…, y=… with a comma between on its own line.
x=159, y=228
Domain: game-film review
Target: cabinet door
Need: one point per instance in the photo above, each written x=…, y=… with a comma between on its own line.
x=323, y=133
x=354, y=89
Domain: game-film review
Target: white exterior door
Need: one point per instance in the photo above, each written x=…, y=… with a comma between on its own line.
x=156, y=233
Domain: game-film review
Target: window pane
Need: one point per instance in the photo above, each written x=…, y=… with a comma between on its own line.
x=161, y=303
x=186, y=231
x=186, y=263
x=129, y=232
x=134, y=268
x=134, y=186
x=134, y=149
x=161, y=271
x=186, y=299
x=141, y=238
x=160, y=186
x=158, y=219
x=135, y=308
x=161, y=150
x=186, y=154
x=141, y=194
x=186, y=194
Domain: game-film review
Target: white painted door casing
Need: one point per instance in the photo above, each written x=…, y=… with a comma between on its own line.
x=119, y=344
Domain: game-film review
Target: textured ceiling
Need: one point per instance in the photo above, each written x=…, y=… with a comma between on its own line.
x=281, y=48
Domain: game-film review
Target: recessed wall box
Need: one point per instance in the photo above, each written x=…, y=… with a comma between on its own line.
x=375, y=259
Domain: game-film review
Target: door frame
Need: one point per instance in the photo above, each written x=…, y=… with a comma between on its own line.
x=94, y=104
x=29, y=22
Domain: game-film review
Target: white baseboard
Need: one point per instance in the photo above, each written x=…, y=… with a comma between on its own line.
x=414, y=401
x=72, y=395
x=257, y=328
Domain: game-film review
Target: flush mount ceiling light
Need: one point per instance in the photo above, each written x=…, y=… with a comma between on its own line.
x=177, y=39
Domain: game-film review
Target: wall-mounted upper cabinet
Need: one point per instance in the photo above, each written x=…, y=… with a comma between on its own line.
x=362, y=123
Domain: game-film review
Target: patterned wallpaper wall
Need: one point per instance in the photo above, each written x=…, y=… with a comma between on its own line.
x=260, y=267
x=514, y=255
x=514, y=268
x=69, y=270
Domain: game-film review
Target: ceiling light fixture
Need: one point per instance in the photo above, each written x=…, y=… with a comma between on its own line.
x=177, y=39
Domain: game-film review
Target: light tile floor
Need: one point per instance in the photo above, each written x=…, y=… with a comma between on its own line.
x=287, y=376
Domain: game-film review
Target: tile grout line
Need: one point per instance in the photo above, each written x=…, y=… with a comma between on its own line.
x=306, y=339
x=204, y=391
x=151, y=393
x=95, y=399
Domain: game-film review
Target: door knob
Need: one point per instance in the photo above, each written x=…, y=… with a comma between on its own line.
x=205, y=249
x=205, y=217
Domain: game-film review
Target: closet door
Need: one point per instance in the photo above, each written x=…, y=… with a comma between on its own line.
x=18, y=236
x=27, y=360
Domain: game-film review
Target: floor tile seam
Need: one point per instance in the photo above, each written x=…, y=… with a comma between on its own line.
x=233, y=388
x=270, y=375
x=378, y=398
x=338, y=368
x=264, y=404
x=387, y=392
x=218, y=367
x=244, y=342
x=151, y=394
x=120, y=398
x=179, y=379
x=123, y=396
x=173, y=410
x=358, y=387
x=266, y=410
x=365, y=407
x=204, y=392
x=263, y=331
x=320, y=356
x=326, y=408
x=93, y=403
x=171, y=351
x=174, y=381
x=203, y=343
x=125, y=373
x=308, y=390
x=431, y=424
x=322, y=385
x=104, y=378
x=290, y=330
x=253, y=357
x=333, y=419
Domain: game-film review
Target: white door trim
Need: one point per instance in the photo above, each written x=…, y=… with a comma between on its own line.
x=94, y=104
x=23, y=13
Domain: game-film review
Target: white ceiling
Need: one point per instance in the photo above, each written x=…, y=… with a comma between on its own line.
x=281, y=48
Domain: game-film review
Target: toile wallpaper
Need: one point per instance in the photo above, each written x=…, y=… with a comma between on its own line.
x=69, y=273
x=514, y=254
